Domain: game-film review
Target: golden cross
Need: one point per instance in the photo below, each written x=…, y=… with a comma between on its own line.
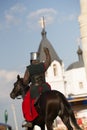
x=42, y=22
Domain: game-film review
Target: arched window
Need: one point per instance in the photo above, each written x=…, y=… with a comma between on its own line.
x=55, y=69
x=80, y=85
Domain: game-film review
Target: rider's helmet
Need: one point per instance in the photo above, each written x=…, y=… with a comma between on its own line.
x=34, y=56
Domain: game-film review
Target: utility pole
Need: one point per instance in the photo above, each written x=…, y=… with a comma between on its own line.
x=14, y=114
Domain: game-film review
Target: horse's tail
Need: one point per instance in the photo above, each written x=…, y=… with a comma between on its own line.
x=72, y=116
x=73, y=119
x=70, y=112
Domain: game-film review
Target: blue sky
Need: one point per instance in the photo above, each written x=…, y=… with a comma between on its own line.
x=20, y=34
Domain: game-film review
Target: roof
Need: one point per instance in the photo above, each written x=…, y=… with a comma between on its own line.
x=46, y=43
x=77, y=64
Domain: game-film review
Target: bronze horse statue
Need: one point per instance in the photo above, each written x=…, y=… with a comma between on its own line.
x=49, y=105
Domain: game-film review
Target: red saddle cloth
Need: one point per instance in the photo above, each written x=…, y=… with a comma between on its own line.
x=28, y=108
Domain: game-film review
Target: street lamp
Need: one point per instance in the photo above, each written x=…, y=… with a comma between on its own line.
x=6, y=116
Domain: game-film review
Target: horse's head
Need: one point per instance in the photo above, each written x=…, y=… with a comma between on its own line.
x=19, y=89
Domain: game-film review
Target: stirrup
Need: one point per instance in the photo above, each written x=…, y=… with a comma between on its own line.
x=27, y=124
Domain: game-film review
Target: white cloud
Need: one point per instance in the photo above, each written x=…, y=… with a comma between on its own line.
x=17, y=15
x=34, y=17
x=18, y=8
x=7, y=79
x=11, y=19
x=13, y=15
x=43, y=12
x=50, y=15
x=8, y=76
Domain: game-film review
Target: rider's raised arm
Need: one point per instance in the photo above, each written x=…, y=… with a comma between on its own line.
x=48, y=58
x=26, y=78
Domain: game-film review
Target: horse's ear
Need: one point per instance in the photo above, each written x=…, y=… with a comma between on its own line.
x=18, y=76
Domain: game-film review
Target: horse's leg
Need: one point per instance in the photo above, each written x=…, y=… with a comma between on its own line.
x=49, y=119
x=39, y=121
x=42, y=127
x=51, y=114
x=49, y=125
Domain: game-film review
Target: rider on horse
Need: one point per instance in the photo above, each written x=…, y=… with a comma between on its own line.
x=35, y=75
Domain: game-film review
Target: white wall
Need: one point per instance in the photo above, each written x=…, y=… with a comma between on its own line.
x=73, y=78
x=56, y=82
x=67, y=81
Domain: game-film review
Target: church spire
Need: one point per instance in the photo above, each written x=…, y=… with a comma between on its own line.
x=46, y=43
x=79, y=51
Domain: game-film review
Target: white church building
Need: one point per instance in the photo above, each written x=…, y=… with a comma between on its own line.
x=72, y=81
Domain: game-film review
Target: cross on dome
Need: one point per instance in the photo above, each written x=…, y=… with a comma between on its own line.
x=42, y=22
